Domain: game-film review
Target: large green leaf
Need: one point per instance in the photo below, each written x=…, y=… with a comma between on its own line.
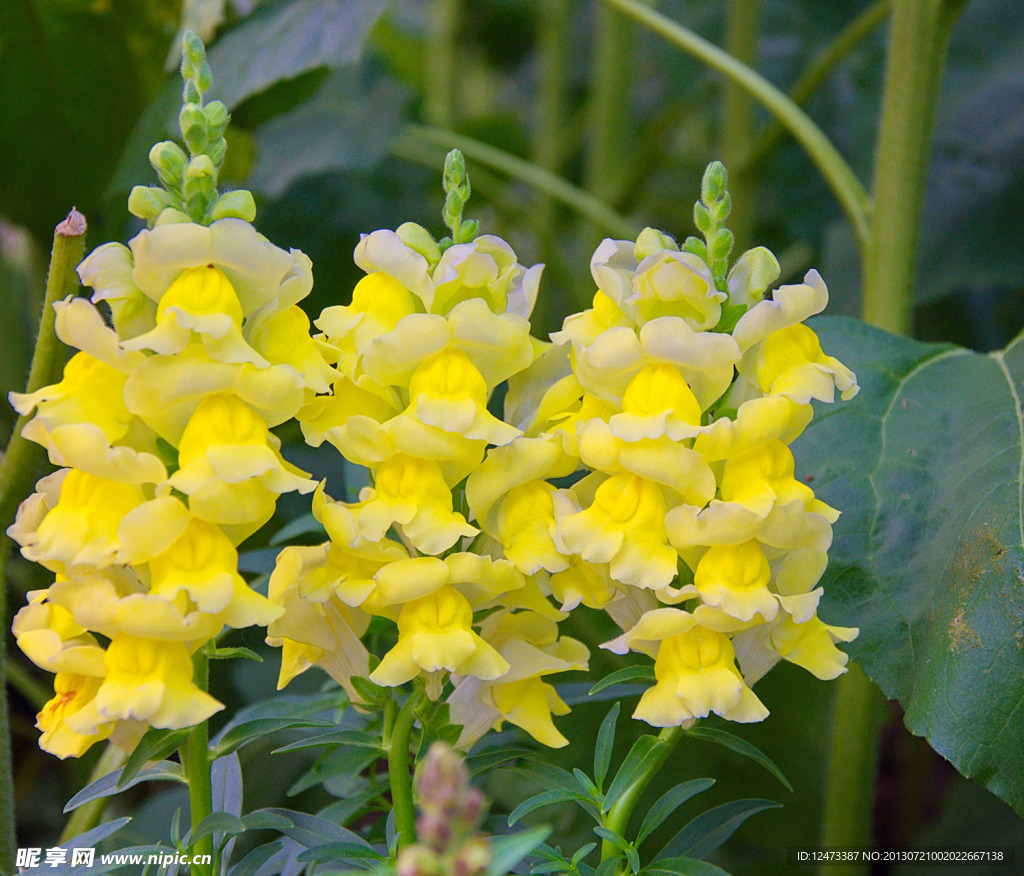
x=926, y=465
x=74, y=77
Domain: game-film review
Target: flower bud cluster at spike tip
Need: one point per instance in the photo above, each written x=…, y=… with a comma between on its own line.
x=679, y=392
x=450, y=813
x=426, y=339
x=160, y=428
x=188, y=182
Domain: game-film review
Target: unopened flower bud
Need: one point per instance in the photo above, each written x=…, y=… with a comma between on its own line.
x=652, y=241
x=714, y=183
x=434, y=832
x=217, y=118
x=442, y=779
x=472, y=859
x=417, y=238
x=417, y=861
x=192, y=122
x=168, y=161
x=751, y=276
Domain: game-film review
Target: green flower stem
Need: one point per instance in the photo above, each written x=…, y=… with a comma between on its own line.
x=24, y=682
x=857, y=718
x=741, y=33
x=848, y=39
x=88, y=816
x=18, y=468
x=195, y=757
x=440, y=56
x=609, y=107
x=549, y=145
x=618, y=816
x=398, y=771
x=600, y=214
x=837, y=173
x=918, y=46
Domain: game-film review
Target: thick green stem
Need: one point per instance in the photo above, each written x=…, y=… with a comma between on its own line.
x=20, y=462
x=600, y=214
x=618, y=816
x=88, y=816
x=837, y=173
x=398, y=771
x=609, y=108
x=195, y=757
x=857, y=718
x=860, y=28
x=549, y=143
x=918, y=45
x=741, y=33
x=440, y=56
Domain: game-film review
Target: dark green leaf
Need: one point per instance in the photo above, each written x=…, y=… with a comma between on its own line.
x=372, y=694
x=710, y=829
x=605, y=744
x=624, y=676
x=346, y=126
x=551, y=777
x=261, y=819
x=251, y=863
x=304, y=524
x=622, y=844
x=246, y=732
x=217, y=822
x=155, y=744
x=311, y=831
x=339, y=762
x=682, y=867
x=645, y=751
x=740, y=746
x=925, y=465
x=509, y=850
x=538, y=801
x=357, y=738
x=339, y=852
x=106, y=786
x=668, y=803
x=488, y=760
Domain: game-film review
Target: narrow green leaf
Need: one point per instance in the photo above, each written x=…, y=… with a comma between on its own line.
x=551, y=777
x=343, y=811
x=740, y=746
x=582, y=852
x=488, y=760
x=608, y=867
x=644, y=750
x=358, y=738
x=155, y=744
x=624, y=676
x=538, y=801
x=682, y=867
x=241, y=734
x=373, y=694
x=509, y=850
x=301, y=525
x=251, y=863
x=106, y=786
x=240, y=652
x=339, y=762
x=217, y=822
x=604, y=746
x=263, y=820
x=592, y=790
x=705, y=833
x=671, y=800
x=311, y=831
x=339, y=852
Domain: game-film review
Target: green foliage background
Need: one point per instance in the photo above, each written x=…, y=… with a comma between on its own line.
x=342, y=112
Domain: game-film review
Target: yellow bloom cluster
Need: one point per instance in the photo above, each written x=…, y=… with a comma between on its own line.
x=160, y=427
x=691, y=528
x=427, y=338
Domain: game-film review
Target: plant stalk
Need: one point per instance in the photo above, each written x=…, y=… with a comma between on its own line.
x=548, y=148
x=918, y=45
x=741, y=34
x=398, y=771
x=812, y=78
x=589, y=207
x=440, y=77
x=857, y=718
x=837, y=173
x=195, y=757
x=18, y=468
x=619, y=815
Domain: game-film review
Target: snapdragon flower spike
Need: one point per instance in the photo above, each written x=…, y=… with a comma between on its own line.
x=161, y=428
x=680, y=392
x=431, y=331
